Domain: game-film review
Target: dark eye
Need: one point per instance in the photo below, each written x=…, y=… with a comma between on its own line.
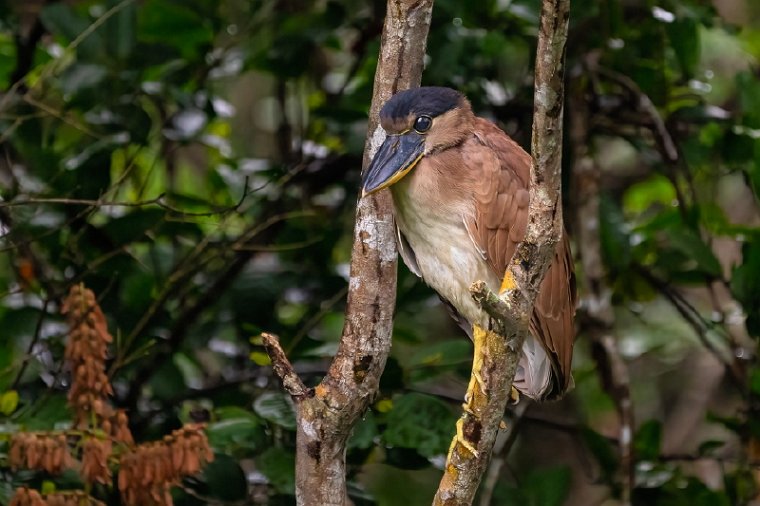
x=423, y=124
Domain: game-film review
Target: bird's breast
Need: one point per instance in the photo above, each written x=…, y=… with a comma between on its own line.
x=446, y=257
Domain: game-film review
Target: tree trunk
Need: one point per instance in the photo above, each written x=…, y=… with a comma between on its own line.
x=327, y=413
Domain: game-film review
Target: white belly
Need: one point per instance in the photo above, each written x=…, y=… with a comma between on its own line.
x=448, y=260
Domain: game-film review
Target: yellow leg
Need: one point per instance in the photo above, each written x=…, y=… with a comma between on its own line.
x=479, y=336
x=475, y=387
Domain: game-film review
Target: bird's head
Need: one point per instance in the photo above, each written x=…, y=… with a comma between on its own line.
x=418, y=122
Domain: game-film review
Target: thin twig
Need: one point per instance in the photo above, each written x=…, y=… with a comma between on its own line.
x=668, y=146
x=32, y=343
x=157, y=201
x=697, y=323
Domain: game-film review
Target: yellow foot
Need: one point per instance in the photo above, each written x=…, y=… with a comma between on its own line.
x=514, y=395
x=459, y=438
x=479, y=337
x=508, y=283
x=476, y=381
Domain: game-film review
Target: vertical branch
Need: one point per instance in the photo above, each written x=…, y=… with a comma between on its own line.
x=510, y=313
x=327, y=413
x=599, y=318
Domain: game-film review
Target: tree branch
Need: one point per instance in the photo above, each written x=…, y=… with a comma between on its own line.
x=501, y=351
x=325, y=419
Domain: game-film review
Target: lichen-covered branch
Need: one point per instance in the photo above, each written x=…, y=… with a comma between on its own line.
x=325, y=419
x=478, y=427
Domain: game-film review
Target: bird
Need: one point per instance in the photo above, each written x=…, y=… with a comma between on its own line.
x=460, y=192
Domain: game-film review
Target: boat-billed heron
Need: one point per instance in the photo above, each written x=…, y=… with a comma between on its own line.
x=460, y=197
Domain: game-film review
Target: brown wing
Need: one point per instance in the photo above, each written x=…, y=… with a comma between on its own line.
x=501, y=213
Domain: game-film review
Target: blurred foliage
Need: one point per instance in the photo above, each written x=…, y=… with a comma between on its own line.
x=196, y=164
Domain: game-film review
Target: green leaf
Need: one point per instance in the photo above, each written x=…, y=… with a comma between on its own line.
x=8, y=402
x=133, y=226
x=172, y=23
x=545, y=487
x=238, y=430
x=80, y=77
x=754, y=380
x=613, y=233
x=684, y=37
x=443, y=353
x=731, y=423
x=44, y=413
x=690, y=244
x=745, y=285
x=548, y=487
x=690, y=492
x=167, y=382
x=61, y=19
x=422, y=422
x=276, y=408
x=603, y=450
x=364, y=432
x=641, y=197
x=707, y=447
x=225, y=479
x=278, y=465
x=120, y=30
x=646, y=443
x=260, y=358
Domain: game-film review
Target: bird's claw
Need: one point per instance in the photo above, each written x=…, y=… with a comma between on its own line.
x=459, y=438
x=514, y=395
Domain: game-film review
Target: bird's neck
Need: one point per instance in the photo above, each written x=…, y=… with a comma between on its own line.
x=431, y=194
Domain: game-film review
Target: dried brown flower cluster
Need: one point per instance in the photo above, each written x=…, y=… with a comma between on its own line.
x=41, y=451
x=150, y=470
x=118, y=427
x=147, y=471
x=29, y=497
x=86, y=352
x=95, y=455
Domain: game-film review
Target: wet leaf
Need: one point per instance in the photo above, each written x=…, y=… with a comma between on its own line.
x=276, y=408
x=278, y=465
x=422, y=422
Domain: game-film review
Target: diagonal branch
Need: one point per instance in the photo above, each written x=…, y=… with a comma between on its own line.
x=478, y=427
